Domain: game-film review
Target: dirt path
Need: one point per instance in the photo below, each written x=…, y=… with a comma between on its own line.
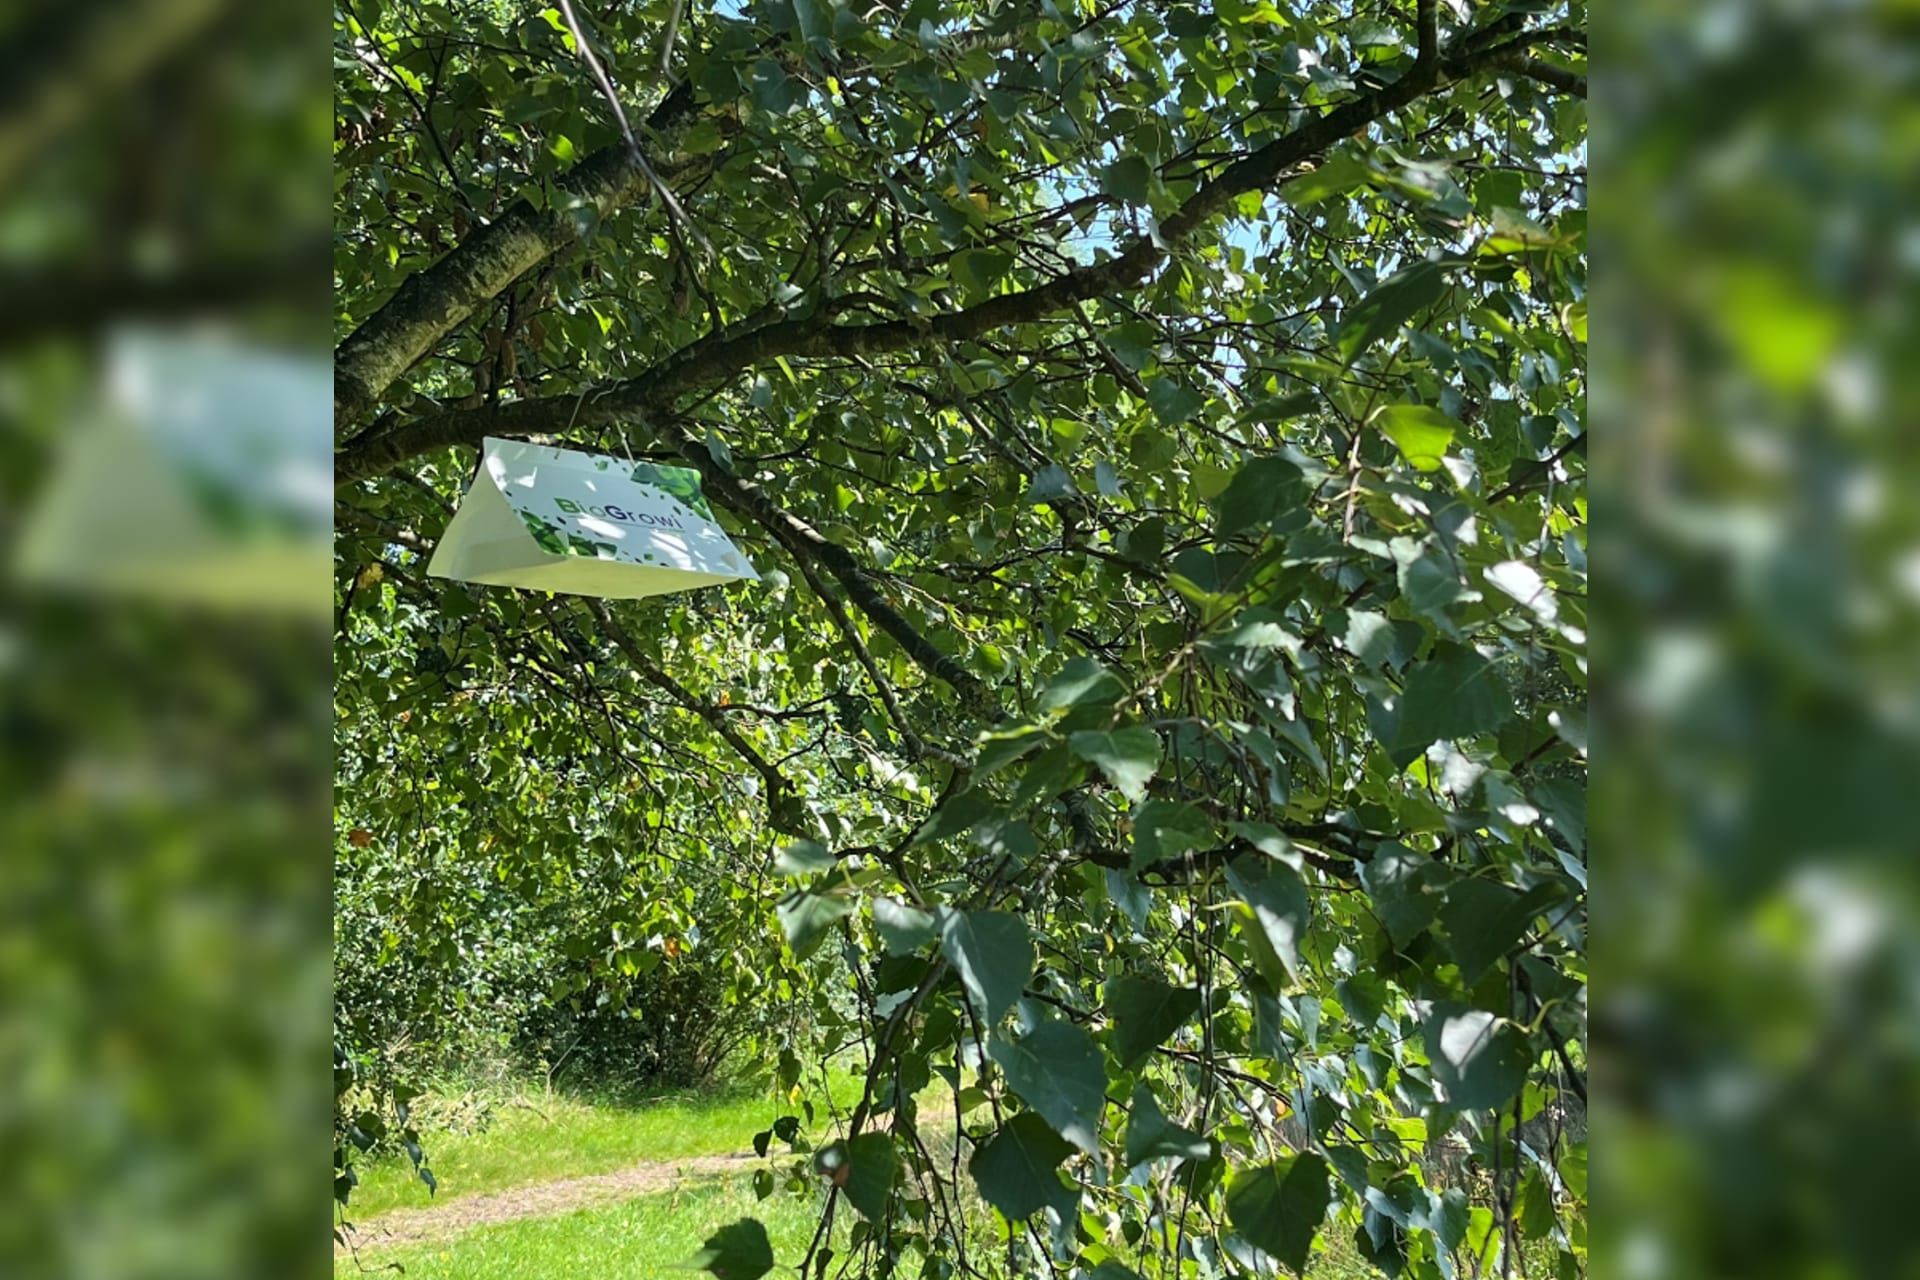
x=400, y=1227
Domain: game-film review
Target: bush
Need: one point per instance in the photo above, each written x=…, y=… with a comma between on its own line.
x=674, y=1026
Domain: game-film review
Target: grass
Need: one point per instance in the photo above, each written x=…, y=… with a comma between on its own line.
x=644, y=1237
x=537, y=1137
x=651, y=1235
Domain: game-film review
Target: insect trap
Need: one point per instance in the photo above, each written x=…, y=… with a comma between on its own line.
x=585, y=524
x=200, y=474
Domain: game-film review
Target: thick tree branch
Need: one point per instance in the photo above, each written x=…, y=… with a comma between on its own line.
x=726, y=353
x=58, y=301
x=809, y=545
x=64, y=63
x=431, y=302
x=1182, y=867
x=1569, y=82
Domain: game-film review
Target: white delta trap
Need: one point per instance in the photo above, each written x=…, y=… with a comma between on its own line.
x=585, y=524
x=199, y=474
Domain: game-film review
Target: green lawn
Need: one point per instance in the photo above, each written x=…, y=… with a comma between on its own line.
x=560, y=1137
x=644, y=1237
x=651, y=1235
x=534, y=1137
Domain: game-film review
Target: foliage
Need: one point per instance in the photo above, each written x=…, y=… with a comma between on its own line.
x=1161, y=434
x=449, y=954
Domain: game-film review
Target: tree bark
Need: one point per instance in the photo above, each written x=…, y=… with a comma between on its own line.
x=431, y=303
x=722, y=355
x=443, y=295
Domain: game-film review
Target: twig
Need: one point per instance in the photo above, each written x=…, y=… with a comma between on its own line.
x=634, y=153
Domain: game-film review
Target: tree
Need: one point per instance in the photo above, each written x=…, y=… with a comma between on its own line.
x=1162, y=432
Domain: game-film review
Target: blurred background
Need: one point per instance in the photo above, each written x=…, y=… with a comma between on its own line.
x=1755, y=389
x=164, y=762
x=164, y=716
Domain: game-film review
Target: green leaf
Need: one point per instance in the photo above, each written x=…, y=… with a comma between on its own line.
x=1391, y=304
x=864, y=1169
x=1573, y=1169
x=1016, y=1169
x=771, y=89
x=1172, y=401
x=1428, y=579
x=1445, y=1215
x=1166, y=829
x=998, y=750
x=980, y=269
x=1128, y=757
x=1276, y=901
x=1261, y=491
x=1381, y=1241
x=1522, y=582
x=1145, y=1011
x=1479, y=1060
x=1564, y=802
x=1152, y=1136
x=802, y=858
x=1082, y=682
x=1278, y=1207
x=1484, y=920
x=992, y=952
x=1334, y=176
x=1405, y=887
x=1454, y=694
x=1483, y=1239
x=1129, y=178
x=702, y=139
x=1420, y=432
x=1056, y=1068
x=1351, y=1164
x=1536, y=1207
x=739, y=1252
x=902, y=929
x=1050, y=483
x=962, y=812
x=806, y=917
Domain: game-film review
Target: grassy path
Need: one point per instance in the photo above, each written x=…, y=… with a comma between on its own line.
x=573, y=1189
x=552, y=1138
x=399, y=1228
x=643, y=1237
x=546, y=1179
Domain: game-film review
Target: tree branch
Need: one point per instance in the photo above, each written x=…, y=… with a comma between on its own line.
x=784, y=812
x=432, y=302
x=61, y=301
x=917, y=747
x=584, y=47
x=1569, y=82
x=805, y=543
x=725, y=353
x=62, y=65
